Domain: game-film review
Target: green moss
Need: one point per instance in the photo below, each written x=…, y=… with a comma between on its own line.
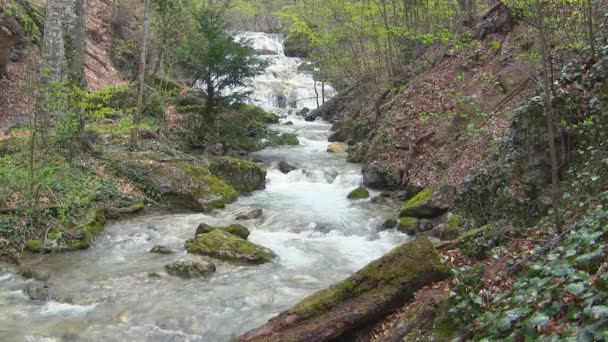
x=237, y=229
x=223, y=245
x=454, y=220
x=34, y=245
x=408, y=225
x=449, y=233
x=244, y=176
x=77, y=245
x=401, y=265
x=444, y=326
x=358, y=193
x=417, y=200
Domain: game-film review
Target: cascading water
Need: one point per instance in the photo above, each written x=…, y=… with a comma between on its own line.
x=319, y=236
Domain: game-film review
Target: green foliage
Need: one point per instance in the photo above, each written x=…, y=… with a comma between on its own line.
x=219, y=63
x=283, y=139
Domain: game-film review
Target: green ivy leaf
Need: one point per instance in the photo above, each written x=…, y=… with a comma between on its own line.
x=538, y=318
x=575, y=288
x=599, y=311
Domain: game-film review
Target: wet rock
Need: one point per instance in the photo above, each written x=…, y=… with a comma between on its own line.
x=225, y=246
x=365, y=297
x=337, y=148
x=289, y=123
x=177, y=183
x=377, y=177
x=28, y=273
x=408, y=225
x=388, y=224
x=161, y=250
x=358, y=193
x=251, y=214
x=285, y=167
x=312, y=116
x=425, y=225
x=190, y=269
x=429, y=203
x=343, y=132
x=242, y=175
x=37, y=291
x=235, y=229
x=303, y=112
x=154, y=275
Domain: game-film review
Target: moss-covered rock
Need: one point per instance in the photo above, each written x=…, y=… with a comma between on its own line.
x=235, y=229
x=429, y=203
x=34, y=246
x=408, y=225
x=225, y=246
x=454, y=220
x=371, y=293
x=283, y=139
x=242, y=175
x=358, y=193
x=250, y=214
x=190, y=269
x=178, y=184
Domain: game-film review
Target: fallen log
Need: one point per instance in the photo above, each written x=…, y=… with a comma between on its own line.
x=375, y=291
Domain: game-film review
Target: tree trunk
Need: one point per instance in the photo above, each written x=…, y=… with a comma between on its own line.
x=548, y=113
x=63, y=52
x=142, y=73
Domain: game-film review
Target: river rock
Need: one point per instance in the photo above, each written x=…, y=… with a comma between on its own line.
x=374, y=292
x=388, y=224
x=161, y=250
x=337, y=148
x=190, y=269
x=242, y=175
x=180, y=184
x=285, y=167
x=429, y=203
x=37, y=291
x=251, y=214
x=288, y=123
x=358, y=193
x=225, y=246
x=235, y=229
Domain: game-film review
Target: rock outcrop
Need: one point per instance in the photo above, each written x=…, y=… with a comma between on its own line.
x=176, y=183
x=250, y=214
x=367, y=296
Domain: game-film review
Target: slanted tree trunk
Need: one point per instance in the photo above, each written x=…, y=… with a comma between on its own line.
x=548, y=113
x=142, y=73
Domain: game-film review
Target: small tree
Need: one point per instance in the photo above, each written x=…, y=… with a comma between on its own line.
x=217, y=62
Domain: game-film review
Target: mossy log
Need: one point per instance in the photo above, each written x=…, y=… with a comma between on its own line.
x=362, y=299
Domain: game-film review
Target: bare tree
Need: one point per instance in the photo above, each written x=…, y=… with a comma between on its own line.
x=548, y=113
x=142, y=73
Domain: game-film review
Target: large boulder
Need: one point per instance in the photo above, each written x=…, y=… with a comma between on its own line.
x=374, y=292
x=377, y=177
x=285, y=167
x=242, y=175
x=496, y=19
x=225, y=246
x=235, y=229
x=189, y=269
x=429, y=203
x=358, y=193
x=178, y=184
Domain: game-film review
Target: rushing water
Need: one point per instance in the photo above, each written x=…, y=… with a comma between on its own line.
x=319, y=236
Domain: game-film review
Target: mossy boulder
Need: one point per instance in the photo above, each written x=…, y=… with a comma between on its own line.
x=235, y=229
x=429, y=203
x=388, y=224
x=283, y=139
x=189, y=269
x=225, y=246
x=374, y=292
x=242, y=175
x=408, y=225
x=34, y=246
x=251, y=214
x=177, y=184
x=358, y=193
